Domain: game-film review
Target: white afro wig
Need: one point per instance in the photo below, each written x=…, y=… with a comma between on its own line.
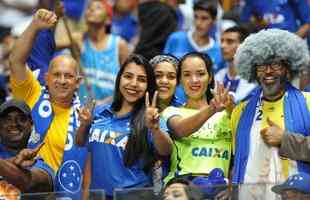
x=271, y=45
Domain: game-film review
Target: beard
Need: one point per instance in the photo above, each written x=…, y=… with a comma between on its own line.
x=273, y=91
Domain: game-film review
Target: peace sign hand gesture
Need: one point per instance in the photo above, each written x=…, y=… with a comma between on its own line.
x=151, y=115
x=85, y=113
x=221, y=98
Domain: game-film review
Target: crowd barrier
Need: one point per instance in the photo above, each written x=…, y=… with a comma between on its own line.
x=249, y=191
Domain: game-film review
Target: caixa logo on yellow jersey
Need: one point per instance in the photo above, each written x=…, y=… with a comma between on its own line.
x=210, y=152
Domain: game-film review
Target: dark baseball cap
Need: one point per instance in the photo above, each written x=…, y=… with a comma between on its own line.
x=13, y=103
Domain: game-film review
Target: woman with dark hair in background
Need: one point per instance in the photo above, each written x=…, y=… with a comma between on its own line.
x=120, y=145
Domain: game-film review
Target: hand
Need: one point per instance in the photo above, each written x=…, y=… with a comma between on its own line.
x=26, y=157
x=44, y=19
x=151, y=115
x=8, y=191
x=230, y=104
x=221, y=98
x=85, y=113
x=273, y=134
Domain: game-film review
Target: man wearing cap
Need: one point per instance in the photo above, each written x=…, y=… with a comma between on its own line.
x=295, y=187
x=15, y=160
x=54, y=107
x=270, y=57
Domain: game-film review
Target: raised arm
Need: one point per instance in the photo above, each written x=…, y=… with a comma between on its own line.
x=42, y=19
x=185, y=126
x=162, y=141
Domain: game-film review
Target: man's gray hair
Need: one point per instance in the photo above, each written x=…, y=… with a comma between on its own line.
x=268, y=46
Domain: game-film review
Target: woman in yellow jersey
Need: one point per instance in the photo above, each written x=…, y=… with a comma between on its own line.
x=200, y=128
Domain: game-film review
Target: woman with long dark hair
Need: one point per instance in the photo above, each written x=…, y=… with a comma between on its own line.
x=120, y=145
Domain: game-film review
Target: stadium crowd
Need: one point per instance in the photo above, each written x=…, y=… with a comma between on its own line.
x=195, y=99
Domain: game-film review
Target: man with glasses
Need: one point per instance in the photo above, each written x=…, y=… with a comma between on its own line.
x=271, y=58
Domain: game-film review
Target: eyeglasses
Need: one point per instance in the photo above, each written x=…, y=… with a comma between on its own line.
x=273, y=66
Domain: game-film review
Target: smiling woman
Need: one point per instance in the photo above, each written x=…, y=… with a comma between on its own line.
x=119, y=133
x=202, y=122
x=166, y=70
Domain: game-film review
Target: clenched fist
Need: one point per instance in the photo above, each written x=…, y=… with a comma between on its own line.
x=44, y=19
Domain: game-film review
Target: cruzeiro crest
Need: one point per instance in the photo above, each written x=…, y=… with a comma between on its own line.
x=70, y=176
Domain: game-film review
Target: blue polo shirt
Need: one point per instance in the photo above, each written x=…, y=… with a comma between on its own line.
x=40, y=164
x=108, y=137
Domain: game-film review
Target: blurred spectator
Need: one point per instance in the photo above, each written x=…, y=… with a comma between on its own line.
x=238, y=87
x=101, y=52
x=291, y=15
x=180, y=43
x=304, y=79
x=157, y=21
x=74, y=9
x=124, y=22
x=181, y=188
x=184, y=12
x=7, y=42
x=295, y=187
x=16, y=11
x=197, y=40
x=196, y=187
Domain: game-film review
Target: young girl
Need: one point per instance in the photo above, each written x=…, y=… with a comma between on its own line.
x=119, y=141
x=200, y=128
x=166, y=69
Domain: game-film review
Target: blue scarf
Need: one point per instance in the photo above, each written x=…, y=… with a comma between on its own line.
x=296, y=119
x=69, y=175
